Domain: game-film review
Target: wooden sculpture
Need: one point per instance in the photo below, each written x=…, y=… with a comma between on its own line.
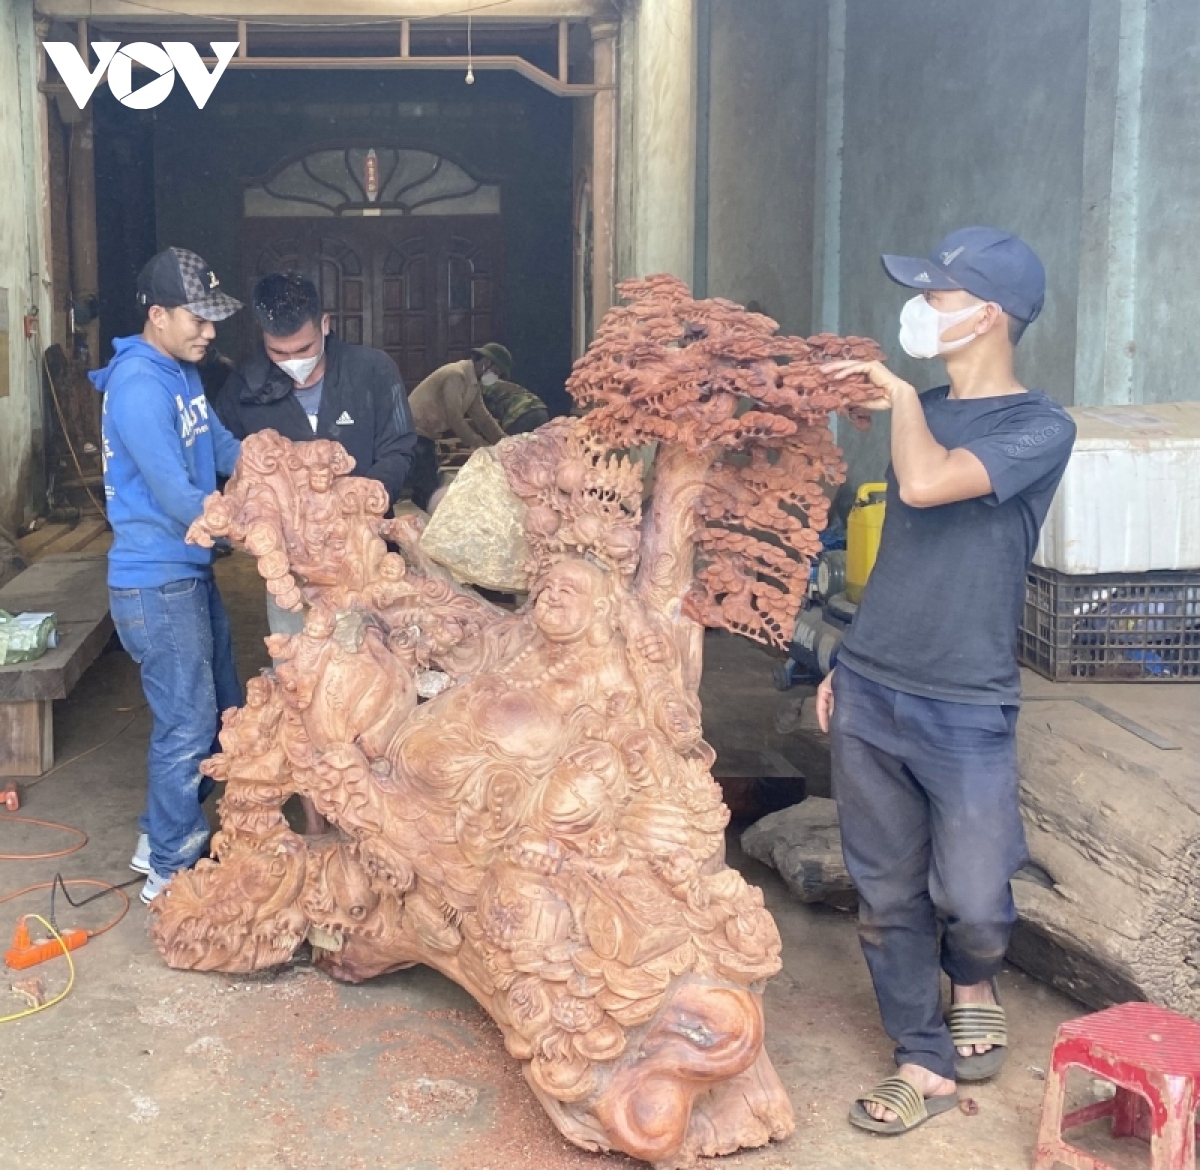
x=544, y=828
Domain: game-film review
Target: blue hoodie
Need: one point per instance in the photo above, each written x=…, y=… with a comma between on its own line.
x=163, y=451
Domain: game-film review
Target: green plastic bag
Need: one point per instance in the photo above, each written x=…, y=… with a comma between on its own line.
x=26, y=636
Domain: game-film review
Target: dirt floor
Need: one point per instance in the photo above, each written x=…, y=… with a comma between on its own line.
x=144, y=1066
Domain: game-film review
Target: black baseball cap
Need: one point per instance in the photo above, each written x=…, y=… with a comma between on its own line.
x=991, y=264
x=178, y=278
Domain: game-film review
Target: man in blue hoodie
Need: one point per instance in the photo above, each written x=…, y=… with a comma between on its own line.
x=163, y=450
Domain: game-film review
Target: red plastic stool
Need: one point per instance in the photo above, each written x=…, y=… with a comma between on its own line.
x=1153, y=1057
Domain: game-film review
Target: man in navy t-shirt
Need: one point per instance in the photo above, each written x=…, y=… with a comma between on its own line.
x=922, y=707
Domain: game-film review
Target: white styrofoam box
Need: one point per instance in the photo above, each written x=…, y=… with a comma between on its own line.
x=1130, y=499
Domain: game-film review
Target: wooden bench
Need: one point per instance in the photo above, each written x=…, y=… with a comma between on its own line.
x=74, y=587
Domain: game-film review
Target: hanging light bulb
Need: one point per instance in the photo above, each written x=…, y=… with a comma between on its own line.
x=470, y=71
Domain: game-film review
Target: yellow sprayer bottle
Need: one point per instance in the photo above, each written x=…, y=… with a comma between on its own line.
x=863, y=530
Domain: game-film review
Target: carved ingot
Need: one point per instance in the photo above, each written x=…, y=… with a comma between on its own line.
x=695, y=1082
x=704, y=1034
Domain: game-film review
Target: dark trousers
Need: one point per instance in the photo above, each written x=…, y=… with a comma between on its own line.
x=931, y=833
x=423, y=479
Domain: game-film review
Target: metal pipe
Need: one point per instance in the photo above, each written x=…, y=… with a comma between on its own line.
x=243, y=50
x=703, y=121
x=516, y=64
x=564, y=55
x=405, y=38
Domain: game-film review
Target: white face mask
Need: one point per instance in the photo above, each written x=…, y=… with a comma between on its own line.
x=922, y=326
x=490, y=378
x=300, y=369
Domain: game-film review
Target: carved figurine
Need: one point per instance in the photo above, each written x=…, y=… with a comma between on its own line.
x=546, y=830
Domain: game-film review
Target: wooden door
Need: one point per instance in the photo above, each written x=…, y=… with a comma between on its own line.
x=329, y=257
x=467, y=266
x=426, y=290
x=408, y=295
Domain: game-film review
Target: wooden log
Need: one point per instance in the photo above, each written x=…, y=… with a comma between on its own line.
x=11, y=560
x=26, y=738
x=32, y=545
x=1110, y=902
x=804, y=844
x=81, y=535
x=72, y=587
x=1113, y=824
x=810, y=747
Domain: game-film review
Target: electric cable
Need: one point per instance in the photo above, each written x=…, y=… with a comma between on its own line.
x=106, y=888
x=115, y=736
x=61, y=883
x=11, y=817
x=41, y=1007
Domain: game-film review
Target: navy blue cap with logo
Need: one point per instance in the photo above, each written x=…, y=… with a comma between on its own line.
x=177, y=278
x=988, y=263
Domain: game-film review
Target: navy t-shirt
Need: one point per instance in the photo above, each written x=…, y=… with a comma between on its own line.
x=941, y=609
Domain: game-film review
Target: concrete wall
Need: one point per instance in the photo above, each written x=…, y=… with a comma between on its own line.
x=763, y=107
x=20, y=256
x=1167, y=324
x=1075, y=124
x=960, y=113
x=840, y=129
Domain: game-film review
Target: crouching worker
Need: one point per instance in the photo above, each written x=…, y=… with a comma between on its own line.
x=450, y=401
x=516, y=409
x=163, y=450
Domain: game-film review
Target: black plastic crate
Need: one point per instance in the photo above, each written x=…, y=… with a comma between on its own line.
x=1115, y=627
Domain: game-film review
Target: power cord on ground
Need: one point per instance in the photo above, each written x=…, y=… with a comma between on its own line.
x=12, y=817
x=65, y=940
x=41, y=1007
x=26, y=953
x=25, y=784
x=59, y=882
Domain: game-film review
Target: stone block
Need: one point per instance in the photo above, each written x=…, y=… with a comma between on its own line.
x=477, y=532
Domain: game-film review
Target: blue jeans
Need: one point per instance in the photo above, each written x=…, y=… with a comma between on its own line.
x=927, y=798
x=179, y=635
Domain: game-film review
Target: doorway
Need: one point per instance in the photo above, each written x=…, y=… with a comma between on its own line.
x=424, y=289
x=369, y=160
x=404, y=244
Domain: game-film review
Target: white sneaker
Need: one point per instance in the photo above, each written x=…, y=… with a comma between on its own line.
x=140, y=861
x=155, y=884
